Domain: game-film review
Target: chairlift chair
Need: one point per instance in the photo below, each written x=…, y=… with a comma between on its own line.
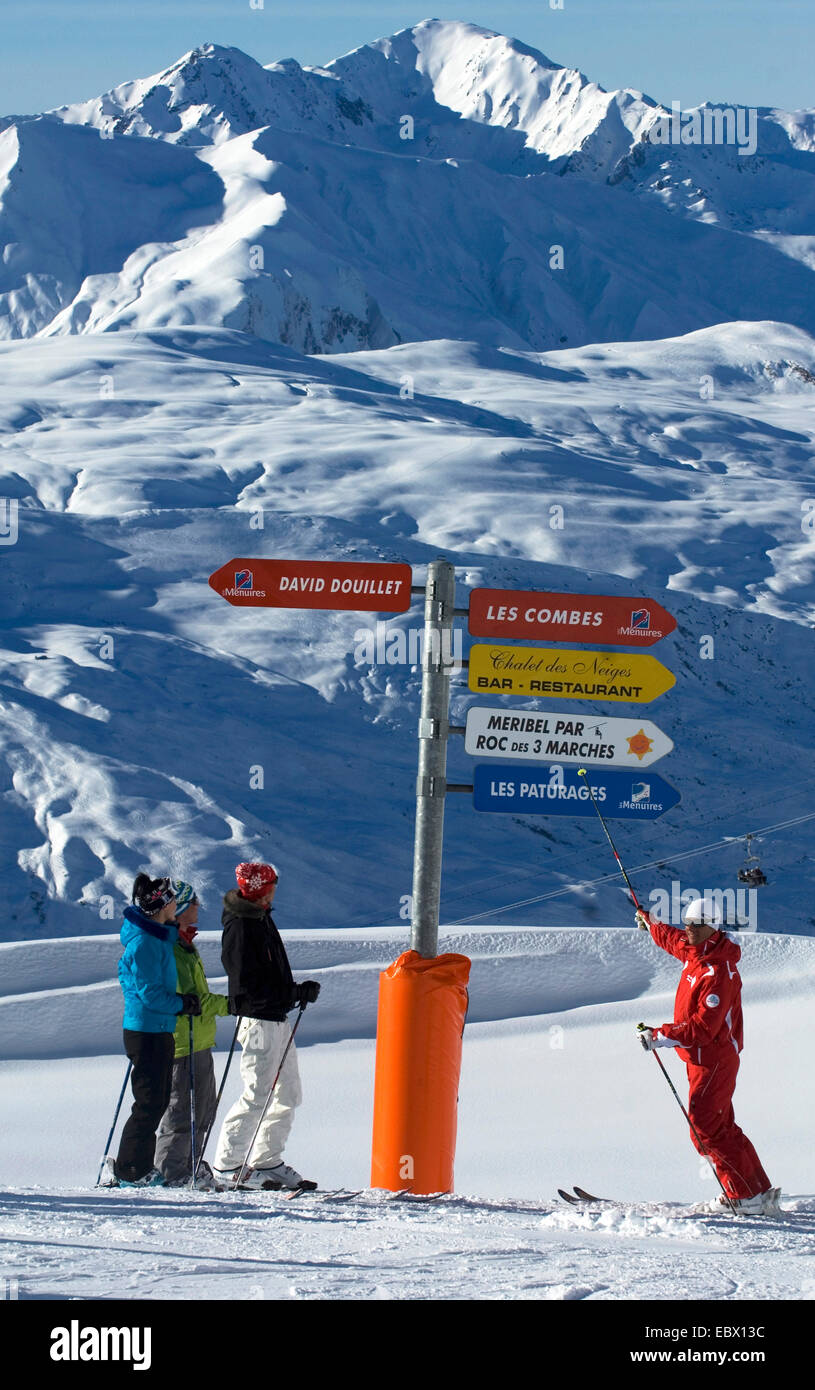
x=751, y=871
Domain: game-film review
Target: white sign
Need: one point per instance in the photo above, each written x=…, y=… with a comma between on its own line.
x=544, y=736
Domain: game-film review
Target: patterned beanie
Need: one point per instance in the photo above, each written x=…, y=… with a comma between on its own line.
x=152, y=894
x=185, y=894
x=255, y=880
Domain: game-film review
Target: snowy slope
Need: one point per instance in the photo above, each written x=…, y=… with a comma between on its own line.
x=554, y=1090
x=72, y=983
x=262, y=234
x=137, y=702
x=769, y=195
x=500, y=83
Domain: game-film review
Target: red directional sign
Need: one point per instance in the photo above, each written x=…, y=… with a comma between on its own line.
x=358, y=586
x=607, y=619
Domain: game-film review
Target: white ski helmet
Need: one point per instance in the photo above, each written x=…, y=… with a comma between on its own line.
x=702, y=912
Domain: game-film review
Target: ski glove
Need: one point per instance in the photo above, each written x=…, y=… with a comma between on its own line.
x=191, y=1004
x=641, y=921
x=306, y=993
x=650, y=1038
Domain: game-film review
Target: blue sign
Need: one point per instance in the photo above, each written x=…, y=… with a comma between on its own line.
x=559, y=791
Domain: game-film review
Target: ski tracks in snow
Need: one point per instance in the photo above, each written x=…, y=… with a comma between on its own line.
x=96, y=1244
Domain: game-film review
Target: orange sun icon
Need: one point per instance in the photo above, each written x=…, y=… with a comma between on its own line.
x=640, y=744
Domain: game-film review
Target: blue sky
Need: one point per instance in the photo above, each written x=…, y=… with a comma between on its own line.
x=758, y=52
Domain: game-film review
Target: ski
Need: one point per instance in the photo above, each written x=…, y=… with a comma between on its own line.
x=305, y=1189
x=291, y=1194
x=578, y=1196
x=568, y=1197
x=339, y=1194
x=420, y=1198
x=299, y=1191
x=311, y=1190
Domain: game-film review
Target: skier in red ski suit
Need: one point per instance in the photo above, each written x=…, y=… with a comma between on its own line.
x=708, y=1035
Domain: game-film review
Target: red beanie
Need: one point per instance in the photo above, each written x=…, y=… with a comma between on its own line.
x=255, y=880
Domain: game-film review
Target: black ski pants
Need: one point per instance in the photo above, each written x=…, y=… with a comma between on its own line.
x=152, y=1080
x=174, y=1142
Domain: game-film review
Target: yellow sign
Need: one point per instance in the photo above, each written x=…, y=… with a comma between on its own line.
x=571, y=675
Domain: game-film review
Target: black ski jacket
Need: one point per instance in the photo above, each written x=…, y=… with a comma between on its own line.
x=255, y=960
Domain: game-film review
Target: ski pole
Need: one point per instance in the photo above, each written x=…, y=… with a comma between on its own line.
x=193, y=1164
x=269, y=1097
x=693, y=1129
x=115, y=1118
x=218, y=1097
x=581, y=772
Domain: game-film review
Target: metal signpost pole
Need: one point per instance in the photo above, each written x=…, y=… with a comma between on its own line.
x=431, y=785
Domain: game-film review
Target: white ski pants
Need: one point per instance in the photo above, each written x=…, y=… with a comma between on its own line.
x=263, y=1044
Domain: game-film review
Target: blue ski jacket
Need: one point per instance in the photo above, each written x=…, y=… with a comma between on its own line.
x=147, y=974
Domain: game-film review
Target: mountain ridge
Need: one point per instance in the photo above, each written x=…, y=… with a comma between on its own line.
x=526, y=206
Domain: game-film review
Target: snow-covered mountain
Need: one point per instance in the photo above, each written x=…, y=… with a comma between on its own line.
x=450, y=76
x=445, y=182
x=445, y=69
x=213, y=93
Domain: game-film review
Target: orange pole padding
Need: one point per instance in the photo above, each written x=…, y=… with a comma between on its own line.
x=422, y=1008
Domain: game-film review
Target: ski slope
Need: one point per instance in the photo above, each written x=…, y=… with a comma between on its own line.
x=554, y=1090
